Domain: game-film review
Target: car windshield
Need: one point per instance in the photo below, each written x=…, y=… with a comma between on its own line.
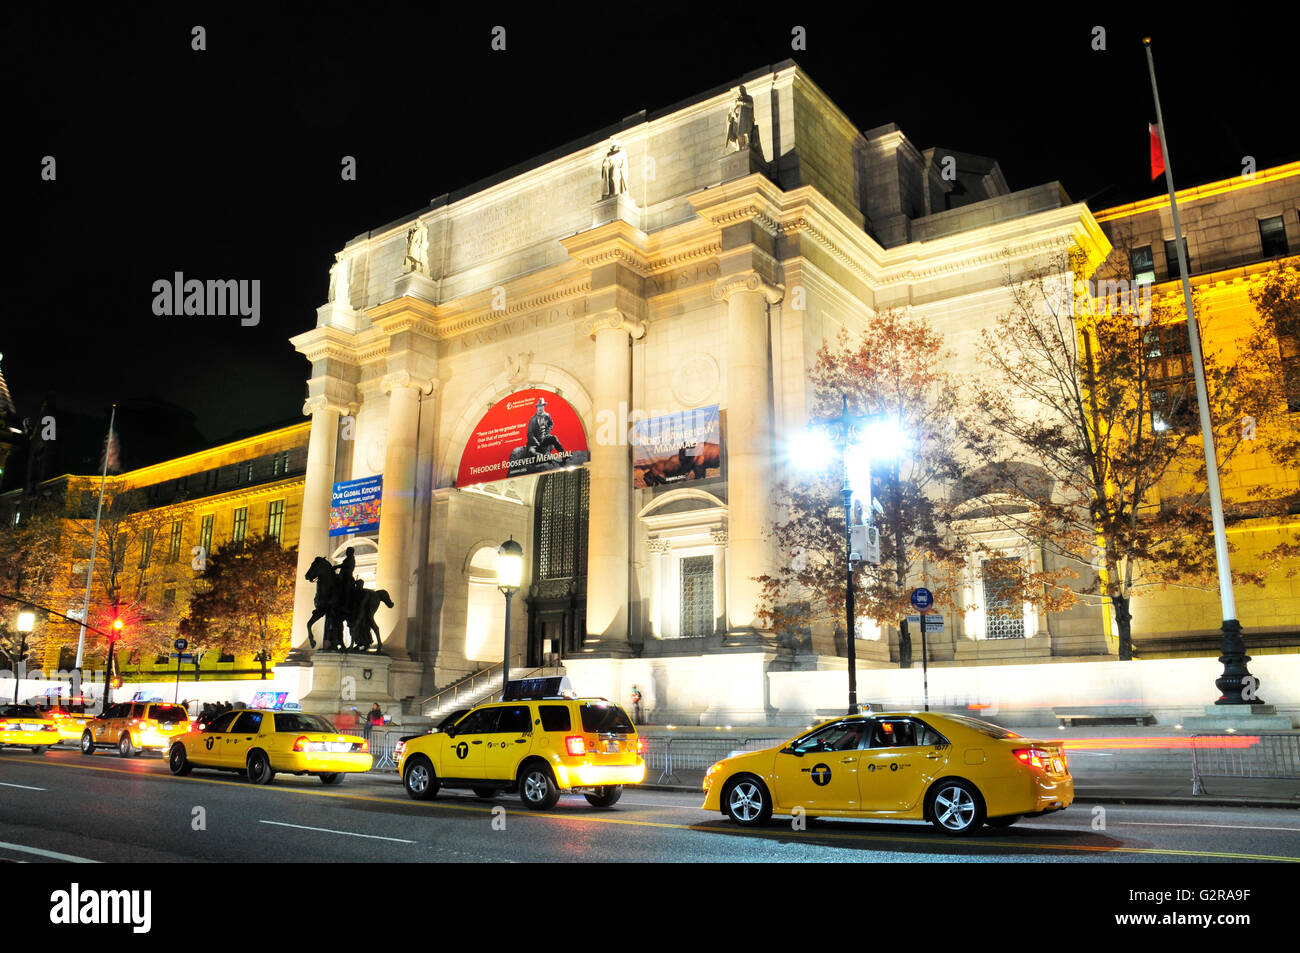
x=598, y=717
x=169, y=714
x=301, y=721
x=21, y=710
x=983, y=727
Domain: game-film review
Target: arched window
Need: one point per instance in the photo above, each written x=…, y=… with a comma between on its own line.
x=561, y=524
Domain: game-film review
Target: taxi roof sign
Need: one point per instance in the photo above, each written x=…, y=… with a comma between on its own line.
x=549, y=686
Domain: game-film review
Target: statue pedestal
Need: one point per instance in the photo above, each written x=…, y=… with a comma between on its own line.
x=415, y=285
x=737, y=165
x=615, y=208
x=337, y=314
x=340, y=683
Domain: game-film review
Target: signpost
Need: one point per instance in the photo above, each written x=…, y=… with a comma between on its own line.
x=181, y=645
x=922, y=599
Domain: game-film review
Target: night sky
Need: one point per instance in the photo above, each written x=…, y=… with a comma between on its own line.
x=225, y=163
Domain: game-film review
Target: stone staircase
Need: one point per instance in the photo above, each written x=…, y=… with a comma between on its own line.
x=468, y=691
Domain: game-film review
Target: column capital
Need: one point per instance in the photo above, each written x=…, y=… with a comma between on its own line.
x=719, y=537
x=660, y=545
x=615, y=320
x=321, y=402
x=725, y=287
x=396, y=379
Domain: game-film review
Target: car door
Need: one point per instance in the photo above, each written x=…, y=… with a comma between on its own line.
x=241, y=738
x=903, y=757
x=819, y=771
x=508, y=742
x=465, y=752
x=108, y=727
x=212, y=741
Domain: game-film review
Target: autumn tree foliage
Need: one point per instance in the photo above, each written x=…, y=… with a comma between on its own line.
x=894, y=371
x=30, y=560
x=243, y=600
x=1095, y=393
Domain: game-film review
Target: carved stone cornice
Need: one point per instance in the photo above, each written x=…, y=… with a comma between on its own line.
x=725, y=287
x=397, y=379
x=406, y=313
x=326, y=343
x=460, y=324
x=617, y=241
x=616, y=321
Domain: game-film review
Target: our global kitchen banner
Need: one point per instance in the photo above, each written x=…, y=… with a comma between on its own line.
x=677, y=447
x=531, y=431
x=354, y=506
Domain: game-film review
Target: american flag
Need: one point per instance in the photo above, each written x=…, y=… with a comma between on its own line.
x=110, y=461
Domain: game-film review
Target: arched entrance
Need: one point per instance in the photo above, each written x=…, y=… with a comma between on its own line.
x=557, y=599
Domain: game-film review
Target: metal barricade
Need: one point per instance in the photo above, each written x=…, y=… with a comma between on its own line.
x=1259, y=755
x=695, y=753
x=383, y=745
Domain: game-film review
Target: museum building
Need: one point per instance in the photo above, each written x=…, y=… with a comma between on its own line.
x=526, y=358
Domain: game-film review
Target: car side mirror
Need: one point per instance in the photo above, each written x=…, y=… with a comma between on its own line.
x=791, y=749
x=450, y=731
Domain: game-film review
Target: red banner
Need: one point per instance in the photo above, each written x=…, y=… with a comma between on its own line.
x=531, y=431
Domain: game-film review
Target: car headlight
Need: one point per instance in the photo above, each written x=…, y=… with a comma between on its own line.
x=708, y=775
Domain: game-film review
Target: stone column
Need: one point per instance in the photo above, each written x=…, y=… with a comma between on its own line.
x=749, y=435
x=397, y=506
x=719, y=537
x=314, y=522
x=611, y=488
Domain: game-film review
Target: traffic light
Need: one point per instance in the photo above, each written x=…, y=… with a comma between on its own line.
x=117, y=627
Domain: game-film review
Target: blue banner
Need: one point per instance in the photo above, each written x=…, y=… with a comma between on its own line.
x=354, y=506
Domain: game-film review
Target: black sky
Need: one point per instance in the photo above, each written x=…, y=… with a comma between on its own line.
x=225, y=163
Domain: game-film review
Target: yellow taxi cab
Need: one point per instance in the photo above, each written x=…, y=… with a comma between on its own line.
x=26, y=726
x=958, y=773
x=134, y=727
x=261, y=743
x=71, y=724
x=539, y=741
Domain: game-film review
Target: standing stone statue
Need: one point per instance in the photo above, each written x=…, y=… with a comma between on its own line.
x=339, y=280
x=613, y=172
x=417, y=249
x=741, y=131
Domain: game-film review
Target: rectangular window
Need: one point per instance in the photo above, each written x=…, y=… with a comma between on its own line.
x=275, y=519
x=146, y=547
x=248, y=472
x=556, y=718
x=205, y=533
x=241, y=523
x=1272, y=236
x=1144, y=265
x=1171, y=259
x=697, y=596
x=1003, y=617
x=1172, y=380
x=174, y=548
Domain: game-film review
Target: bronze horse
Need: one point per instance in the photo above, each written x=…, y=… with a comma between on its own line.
x=322, y=573
x=365, y=604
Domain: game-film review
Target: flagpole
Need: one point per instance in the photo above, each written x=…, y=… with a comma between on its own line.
x=1236, y=682
x=94, y=544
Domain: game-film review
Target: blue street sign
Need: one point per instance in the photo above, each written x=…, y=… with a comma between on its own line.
x=181, y=656
x=922, y=598
x=181, y=645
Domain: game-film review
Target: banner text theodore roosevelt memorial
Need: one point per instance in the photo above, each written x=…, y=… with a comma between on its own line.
x=530, y=431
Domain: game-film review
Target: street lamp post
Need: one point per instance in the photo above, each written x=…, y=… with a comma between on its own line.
x=26, y=622
x=510, y=571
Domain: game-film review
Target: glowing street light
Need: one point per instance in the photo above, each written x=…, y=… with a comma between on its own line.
x=510, y=574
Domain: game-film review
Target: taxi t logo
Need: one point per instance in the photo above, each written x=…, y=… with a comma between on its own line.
x=821, y=774
x=462, y=750
x=208, y=742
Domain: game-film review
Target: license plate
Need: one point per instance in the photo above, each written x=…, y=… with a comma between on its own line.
x=1057, y=766
x=611, y=747
x=338, y=746
x=33, y=727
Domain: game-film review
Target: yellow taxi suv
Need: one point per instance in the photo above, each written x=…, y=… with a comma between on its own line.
x=135, y=727
x=261, y=744
x=958, y=773
x=539, y=742
x=26, y=726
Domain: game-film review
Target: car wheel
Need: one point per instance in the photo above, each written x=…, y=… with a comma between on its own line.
x=485, y=794
x=1004, y=821
x=334, y=777
x=124, y=746
x=178, y=761
x=537, y=788
x=956, y=808
x=419, y=779
x=87, y=743
x=606, y=796
x=747, y=801
x=38, y=749
x=259, y=768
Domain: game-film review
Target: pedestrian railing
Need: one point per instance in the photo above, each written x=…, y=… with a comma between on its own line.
x=1259, y=755
x=383, y=747
x=694, y=754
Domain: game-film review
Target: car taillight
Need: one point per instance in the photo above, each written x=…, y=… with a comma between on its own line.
x=640, y=746
x=575, y=745
x=1035, y=757
x=365, y=746
x=300, y=743
x=397, y=752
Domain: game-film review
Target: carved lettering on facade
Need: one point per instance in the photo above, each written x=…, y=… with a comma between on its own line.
x=681, y=278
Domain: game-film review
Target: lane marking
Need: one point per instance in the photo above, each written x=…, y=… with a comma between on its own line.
x=25, y=787
x=326, y=830
x=1235, y=827
x=52, y=854
x=734, y=831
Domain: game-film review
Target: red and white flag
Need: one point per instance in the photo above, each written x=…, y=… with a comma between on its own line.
x=111, y=461
x=1157, y=154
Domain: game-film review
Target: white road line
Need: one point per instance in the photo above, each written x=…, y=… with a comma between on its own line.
x=326, y=830
x=25, y=787
x=1235, y=827
x=53, y=855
